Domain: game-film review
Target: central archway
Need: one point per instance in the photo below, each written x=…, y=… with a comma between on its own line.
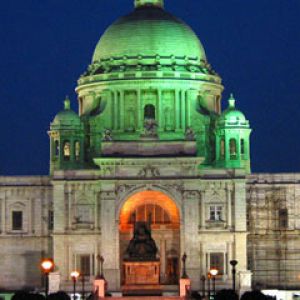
x=165, y=229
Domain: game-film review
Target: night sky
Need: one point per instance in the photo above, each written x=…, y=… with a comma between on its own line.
x=46, y=44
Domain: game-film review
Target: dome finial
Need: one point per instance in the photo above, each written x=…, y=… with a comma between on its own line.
x=67, y=103
x=231, y=101
x=140, y=3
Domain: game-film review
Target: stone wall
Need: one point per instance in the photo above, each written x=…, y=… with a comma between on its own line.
x=21, y=249
x=273, y=224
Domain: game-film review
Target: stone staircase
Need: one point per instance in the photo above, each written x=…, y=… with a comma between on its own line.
x=146, y=298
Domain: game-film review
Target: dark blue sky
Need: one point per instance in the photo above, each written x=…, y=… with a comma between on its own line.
x=253, y=44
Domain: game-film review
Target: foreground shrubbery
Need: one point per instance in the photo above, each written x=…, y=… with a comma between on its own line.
x=231, y=295
x=29, y=296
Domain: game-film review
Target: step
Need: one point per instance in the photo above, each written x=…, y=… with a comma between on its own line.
x=146, y=298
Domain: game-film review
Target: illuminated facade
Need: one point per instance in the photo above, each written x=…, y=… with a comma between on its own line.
x=150, y=138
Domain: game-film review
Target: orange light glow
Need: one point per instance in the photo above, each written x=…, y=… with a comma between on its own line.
x=47, y=265
x=149, y=198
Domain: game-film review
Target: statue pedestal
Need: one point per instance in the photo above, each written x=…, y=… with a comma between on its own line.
x=245, y=278
x=100, y=287
x=142, y=273
x=54, y=282
x=184, y=286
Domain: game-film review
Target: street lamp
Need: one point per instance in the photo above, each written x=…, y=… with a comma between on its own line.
x=208, y=284
x=47, y=266
x=74, y=276
x=214, y=272
x=233, y=271
x=203, y=285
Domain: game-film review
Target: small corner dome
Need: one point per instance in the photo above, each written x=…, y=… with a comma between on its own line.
x=149, y=31
x=231, y=114
x=66, y=116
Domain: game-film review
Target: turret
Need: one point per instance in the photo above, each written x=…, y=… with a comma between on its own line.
x=233, y=139
x=66, y=140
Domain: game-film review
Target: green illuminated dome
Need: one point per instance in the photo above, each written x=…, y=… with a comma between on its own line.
x=67, y=116
x=232, y=116
x=149, y=31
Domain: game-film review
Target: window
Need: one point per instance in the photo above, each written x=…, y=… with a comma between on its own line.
x=215, y=213
x=84, y=214
x=77, y=150
x=222, y=149
x=149, y=112
x=232, y=147
x=50, y=220
x=283, y=218
x=217, y=261
x=85, y=264
x=157, y=213
x=17, y=220
x=242, y=146
x=67, y=151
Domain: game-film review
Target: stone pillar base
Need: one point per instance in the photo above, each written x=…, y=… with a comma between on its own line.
x=245, y=279
x=54, y=282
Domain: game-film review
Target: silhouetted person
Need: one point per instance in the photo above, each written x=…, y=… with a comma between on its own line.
x=59, y=296
x=195, y=295
x=254, y=295
x=37, y=297
x=227, y=295
x=21, y=295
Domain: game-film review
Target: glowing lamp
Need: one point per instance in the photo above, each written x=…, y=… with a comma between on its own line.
x=214, y=272
x=47, y=265
x=75, y=275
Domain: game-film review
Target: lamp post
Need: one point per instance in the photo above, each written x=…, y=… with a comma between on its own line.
x=74, y=276
x=83, y=288
x=203, y=285
x=47, y=266
x=184, y=274
x=214, y=272
x=208, y=285
x=233, y=271
x=100, y=260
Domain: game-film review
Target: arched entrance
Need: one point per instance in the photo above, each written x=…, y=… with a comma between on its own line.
x=165, y=229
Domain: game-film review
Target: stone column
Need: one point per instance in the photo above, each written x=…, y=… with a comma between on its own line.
x=191, y=215
x=163, y=256
x=30, y=220
x=71, y=209
x=3, y=216
x=72, y=149
x=109, y=243
x=115, y=109
x=190, y=96
x=160, y=110
x=59, y=207
x=177, y=110
x=140, y=111
x=183, y=109
x=229, y=208
x=96, y=212
x=122, y=111
x=203, y=210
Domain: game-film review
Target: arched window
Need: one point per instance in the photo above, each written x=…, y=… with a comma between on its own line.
x=242, y=146
x=56, y=148
x=142, y=213
x=67, y=150
x=149, y=112
x=222, y=148
x=77, y=150
x=232, y=147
